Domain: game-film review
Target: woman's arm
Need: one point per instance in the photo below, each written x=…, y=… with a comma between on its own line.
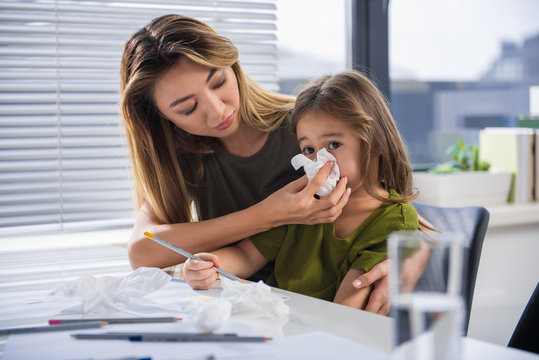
x=195, y=237
x=350, y=296
x=294, y=203
x=242, y=260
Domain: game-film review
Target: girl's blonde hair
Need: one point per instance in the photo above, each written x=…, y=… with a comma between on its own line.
x=159, y=150
x=353, y=99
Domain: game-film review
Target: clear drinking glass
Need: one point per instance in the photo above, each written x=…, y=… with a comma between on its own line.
x=429, y=317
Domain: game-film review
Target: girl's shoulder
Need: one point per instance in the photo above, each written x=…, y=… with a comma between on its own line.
x=399, y=213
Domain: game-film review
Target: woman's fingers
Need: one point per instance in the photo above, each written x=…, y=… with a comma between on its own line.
x=337, y=193
x=379, y=299
x=378, y=277
x=318, y=180
x=377, y=272
x=329, y=208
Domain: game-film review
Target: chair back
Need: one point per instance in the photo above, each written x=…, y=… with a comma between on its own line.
x=525, y=335
x=471, y=222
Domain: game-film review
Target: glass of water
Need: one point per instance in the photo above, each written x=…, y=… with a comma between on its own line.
x=429, y=312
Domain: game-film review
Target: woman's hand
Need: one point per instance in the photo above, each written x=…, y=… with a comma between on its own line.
x=295, y=203
x=412, y=270
x=377, y=277
x=201, y=274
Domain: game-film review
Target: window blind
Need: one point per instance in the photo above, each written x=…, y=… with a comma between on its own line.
x=64, y=163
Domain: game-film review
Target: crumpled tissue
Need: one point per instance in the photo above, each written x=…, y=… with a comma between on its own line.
x=106, y=294
x=238, y=297
x=312, y=167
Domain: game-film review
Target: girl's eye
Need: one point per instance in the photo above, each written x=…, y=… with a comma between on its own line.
x=192, y=110
x=308, y=151
x=333, y=145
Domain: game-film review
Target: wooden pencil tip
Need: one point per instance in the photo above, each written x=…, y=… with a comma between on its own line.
x=177, y=319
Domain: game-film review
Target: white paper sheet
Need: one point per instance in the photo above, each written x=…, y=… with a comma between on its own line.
x=312, y=346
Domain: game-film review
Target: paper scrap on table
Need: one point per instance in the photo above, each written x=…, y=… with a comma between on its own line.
x=312, y=167
x=238, y=297
x=106, y=294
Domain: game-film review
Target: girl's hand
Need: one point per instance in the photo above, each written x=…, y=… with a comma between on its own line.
x=378, y=302
x=201, y=274
x=295, y=203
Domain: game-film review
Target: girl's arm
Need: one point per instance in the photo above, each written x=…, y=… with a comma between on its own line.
x=348, y=295
x=294, y=203
x=377, y=278
x=242, y=260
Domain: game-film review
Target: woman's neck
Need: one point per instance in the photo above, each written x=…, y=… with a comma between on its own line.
x=245, y=142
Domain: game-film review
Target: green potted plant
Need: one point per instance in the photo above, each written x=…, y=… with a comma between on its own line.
x=463, y=158
x=463, y=181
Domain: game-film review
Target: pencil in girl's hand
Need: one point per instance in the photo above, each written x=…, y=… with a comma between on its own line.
x=187, y=254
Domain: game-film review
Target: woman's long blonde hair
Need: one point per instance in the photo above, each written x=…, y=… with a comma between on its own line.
x=158, y=148
x=353, y=99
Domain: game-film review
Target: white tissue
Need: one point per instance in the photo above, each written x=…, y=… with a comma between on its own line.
x=312, y=167
x=106, y=294
x=253, y=297
x=237, y=298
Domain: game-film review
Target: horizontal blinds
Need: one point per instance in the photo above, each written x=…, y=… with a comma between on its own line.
x=64, y=162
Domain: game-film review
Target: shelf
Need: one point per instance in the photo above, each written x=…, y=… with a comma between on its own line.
x=514, y=214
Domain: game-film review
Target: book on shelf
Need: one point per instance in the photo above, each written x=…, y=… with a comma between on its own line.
x=513, y=149
x=528, y=121
x=536, y=165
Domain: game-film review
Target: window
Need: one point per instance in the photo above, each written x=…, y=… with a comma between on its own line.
x=313, y=40
x=457, y=66
x=63, y=158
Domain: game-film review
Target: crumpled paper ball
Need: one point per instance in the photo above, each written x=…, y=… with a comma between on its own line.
x=312, y=167
x=212, y=314
x=106, y=294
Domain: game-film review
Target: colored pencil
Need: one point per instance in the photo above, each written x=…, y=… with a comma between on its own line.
x=122, y=358
x=139, y=320
x=34, y=329
x=176, y=337
x=187, y=254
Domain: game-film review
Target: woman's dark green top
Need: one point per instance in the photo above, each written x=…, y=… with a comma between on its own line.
x=231, y=183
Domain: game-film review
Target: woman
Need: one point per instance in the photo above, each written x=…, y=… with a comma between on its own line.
x=204, y=136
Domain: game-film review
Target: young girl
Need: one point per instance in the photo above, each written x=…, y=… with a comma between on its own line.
x=348, y=116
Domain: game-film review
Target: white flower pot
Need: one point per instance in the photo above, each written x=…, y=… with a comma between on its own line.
x=484, y=188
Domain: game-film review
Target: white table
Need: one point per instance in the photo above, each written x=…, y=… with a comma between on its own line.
x=373, y=330
x=316, y=329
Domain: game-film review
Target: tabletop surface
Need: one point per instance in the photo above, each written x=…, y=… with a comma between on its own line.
x=315, y=329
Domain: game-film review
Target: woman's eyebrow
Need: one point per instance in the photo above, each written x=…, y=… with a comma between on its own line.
x=180, y=100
